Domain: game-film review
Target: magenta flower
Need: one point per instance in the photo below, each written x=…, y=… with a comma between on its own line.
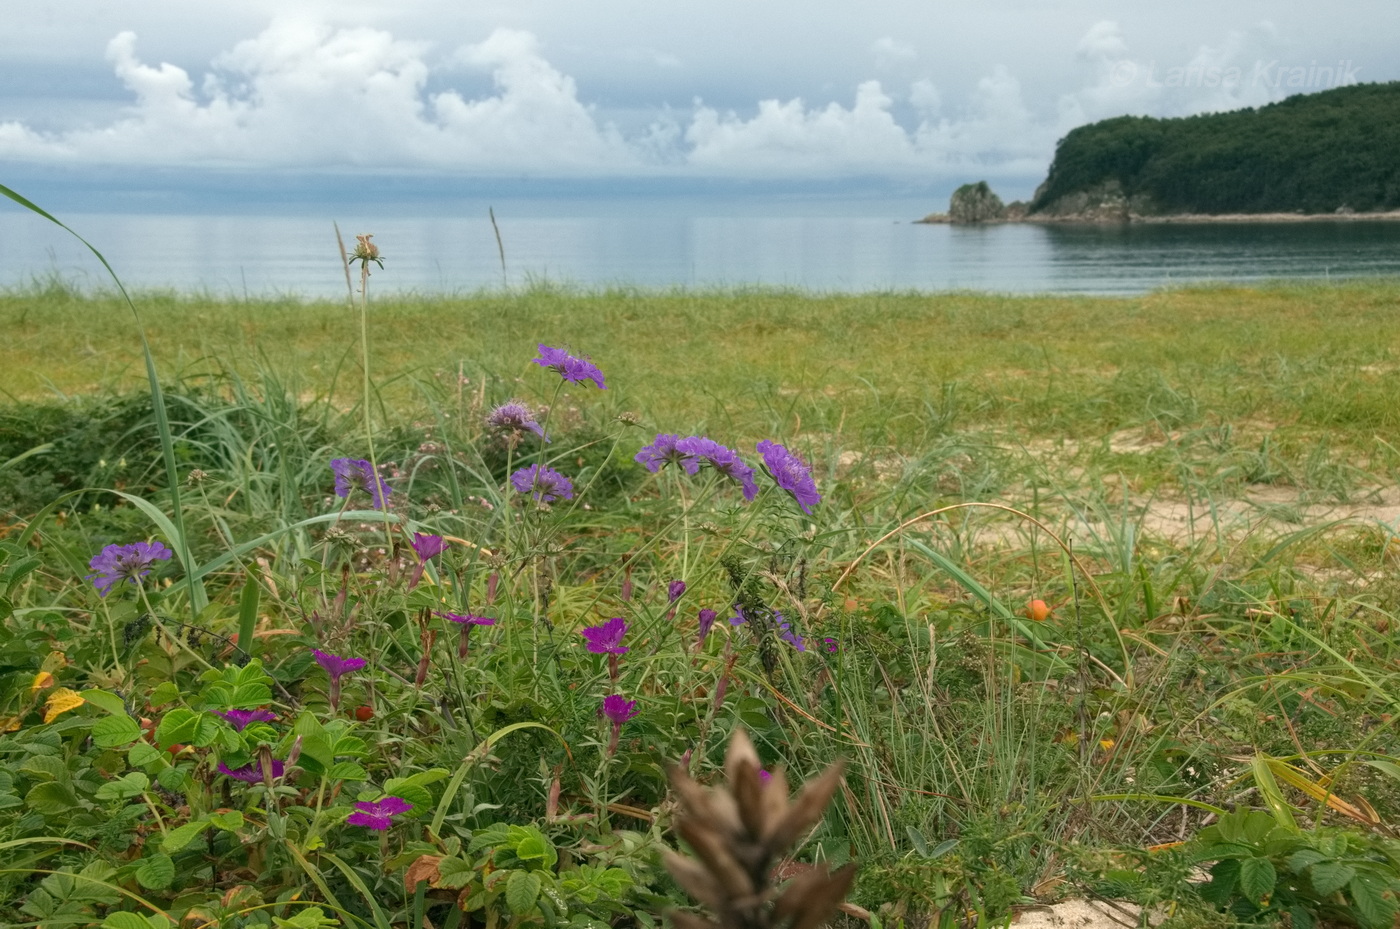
x=618, y=709
x=468, y=619
x=707, y=621
x=514, y=417
x=569, y=367
x=117, y=563
x=831, y=644
x=544, y=483
x=765, y=775
x=724, y=460
x=662, y=452
x=606, y=639
x=251, y=773
x=378, y=814
x=240, y=719
x=351, y=473
x=790, y=473
x=336, y=667
x=674, y=591
x=428, y=546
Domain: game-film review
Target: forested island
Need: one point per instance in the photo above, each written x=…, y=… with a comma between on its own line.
x=1328, y=154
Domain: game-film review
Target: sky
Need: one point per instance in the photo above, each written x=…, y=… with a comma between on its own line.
x=248, y=99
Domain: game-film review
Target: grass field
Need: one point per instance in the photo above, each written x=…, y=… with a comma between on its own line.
x=1199, y=484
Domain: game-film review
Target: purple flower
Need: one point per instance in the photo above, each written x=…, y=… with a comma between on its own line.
x=468, y=619
x=606, y=639
x=378, y=814
x=738, y=619
x=831, y=644
x=546, y=483
x=790, y=473
x=336, y=666
x=674, y=591
x=428, y=546
x=117, y=563
x=618, y=709
x=707, y=621
x=358, y=472
x=765, y=775
x=724, y=460
x=241, y=718
x=569, y=367
x=787, y=635
x=251, y=773
x=514, y=417
x=662, y=452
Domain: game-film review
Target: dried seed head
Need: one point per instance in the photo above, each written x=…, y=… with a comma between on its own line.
x=738, y=832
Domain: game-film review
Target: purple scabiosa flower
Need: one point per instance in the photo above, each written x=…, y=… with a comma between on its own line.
x=358, y=472
x=117, y=563
x=707, y=622
x=252, y=773
x=724, y=460
x=791, y=474
x=466, y=621
x=663, y=451
x=514, y=417
x=787, y=635
x=618, y=709
x=378, y=814
x=606, y=638
x=336, y=667
x=674, y=591
x=546, y=484
x=569, y=367
x=240, y=719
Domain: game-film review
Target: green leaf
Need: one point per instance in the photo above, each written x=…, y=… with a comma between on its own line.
x=455, y=873
x=142, y=753
x=229, y=822
x=115, y=731
x=165, y=692
x=1373, y=909
x=522, y=890
x=248, y=614
x=1257, y=879
x=134, y=921
x=181, y=836
x=1301, y=917
x=179, y=726
x=126, y=787
x=346, y=771
x=1303, y=859
x=107, y=702
x=536, y=847
x=1328, y=877
x=156, y=872
x=173, y=778
x=52, y=798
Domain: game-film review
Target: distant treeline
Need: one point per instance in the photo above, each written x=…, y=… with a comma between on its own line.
x=1312, y=152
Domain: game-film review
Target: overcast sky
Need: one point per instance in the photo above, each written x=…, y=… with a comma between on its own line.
x=730, y=89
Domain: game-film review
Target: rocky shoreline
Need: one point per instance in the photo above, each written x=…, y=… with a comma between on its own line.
x=1097, y=218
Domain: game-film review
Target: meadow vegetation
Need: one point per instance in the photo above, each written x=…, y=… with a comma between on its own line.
x=301, y=715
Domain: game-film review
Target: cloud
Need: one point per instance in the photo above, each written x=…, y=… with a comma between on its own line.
x=302, y=94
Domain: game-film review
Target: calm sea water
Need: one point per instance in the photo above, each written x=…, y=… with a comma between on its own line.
x=858, y=248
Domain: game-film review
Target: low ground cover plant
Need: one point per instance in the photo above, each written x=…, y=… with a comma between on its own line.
x=308, y=664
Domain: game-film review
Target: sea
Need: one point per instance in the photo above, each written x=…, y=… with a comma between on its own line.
x=704, y=243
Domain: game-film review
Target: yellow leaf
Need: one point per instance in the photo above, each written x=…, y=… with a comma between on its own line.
x=42, y=680
x=1105, y=744
x=9, y=723
x=61, y=701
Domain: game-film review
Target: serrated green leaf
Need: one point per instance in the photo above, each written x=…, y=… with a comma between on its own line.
x=115, y=731
x=535, y=847
x=1303, y=859
x=164, y=692
x=1328, y=877
x=454, y=873
x=124, y=920
x=1302, y=917
x=173, y=778
x=156, y=872
x=229, y=821
x=181, y=836
x=1373, y=909
x=1257, y=880
x=107, y=702
x=522, y=890
x=45, y=767
x=142, y=753
x=346, y=771
x=52, y=798
x=129, y=785
x=179, y=726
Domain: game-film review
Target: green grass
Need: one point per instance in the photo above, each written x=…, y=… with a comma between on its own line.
x=1175, y=655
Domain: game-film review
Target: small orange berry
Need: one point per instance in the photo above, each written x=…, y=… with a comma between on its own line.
x=1038, y=610
x=364, y=713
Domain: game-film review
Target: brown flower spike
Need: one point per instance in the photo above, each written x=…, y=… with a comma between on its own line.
x=738, y=833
